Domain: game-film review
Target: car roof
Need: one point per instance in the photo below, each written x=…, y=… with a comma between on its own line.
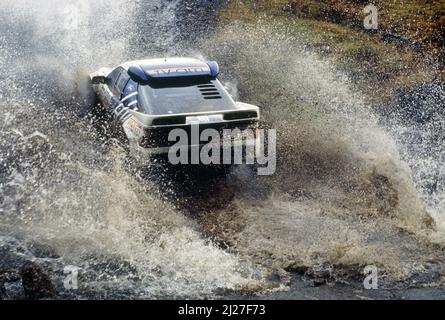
x=191, y=95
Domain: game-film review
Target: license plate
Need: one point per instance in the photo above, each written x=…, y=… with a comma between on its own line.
x=204, y=119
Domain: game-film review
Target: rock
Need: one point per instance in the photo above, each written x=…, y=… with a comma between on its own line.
x=321, y=273
x=318, y=282
x=36, y=283
x=42, y=250
x=12, y=254
x=2, y=287
x=279, y=277
x=297, y=268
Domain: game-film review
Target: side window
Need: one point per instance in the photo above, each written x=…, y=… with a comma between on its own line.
x=130, y=95
x=112, y=77
x=122, y=82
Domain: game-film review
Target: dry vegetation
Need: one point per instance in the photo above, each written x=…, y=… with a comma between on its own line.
x=407, y=49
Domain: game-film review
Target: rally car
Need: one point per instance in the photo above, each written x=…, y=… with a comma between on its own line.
x=149, y=98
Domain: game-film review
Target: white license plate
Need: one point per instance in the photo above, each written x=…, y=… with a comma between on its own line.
x=204, y=119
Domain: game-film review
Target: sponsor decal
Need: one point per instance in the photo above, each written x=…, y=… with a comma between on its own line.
x=177, y=70
x=134, y=126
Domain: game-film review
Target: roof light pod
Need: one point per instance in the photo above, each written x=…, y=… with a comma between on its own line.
x=214, y=68
x=137, y=74
x=143, y=71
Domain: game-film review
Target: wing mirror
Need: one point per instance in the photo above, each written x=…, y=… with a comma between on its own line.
x=98, y=80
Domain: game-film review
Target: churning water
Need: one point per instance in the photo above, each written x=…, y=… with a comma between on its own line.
x=58, y=186
x=342, y=197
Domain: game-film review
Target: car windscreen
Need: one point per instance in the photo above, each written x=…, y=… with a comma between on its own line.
x=183, y=95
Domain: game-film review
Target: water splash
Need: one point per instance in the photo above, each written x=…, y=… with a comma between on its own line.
x=62, y=187
x=342, y=195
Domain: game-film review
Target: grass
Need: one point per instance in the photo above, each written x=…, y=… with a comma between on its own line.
x=334, y=28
